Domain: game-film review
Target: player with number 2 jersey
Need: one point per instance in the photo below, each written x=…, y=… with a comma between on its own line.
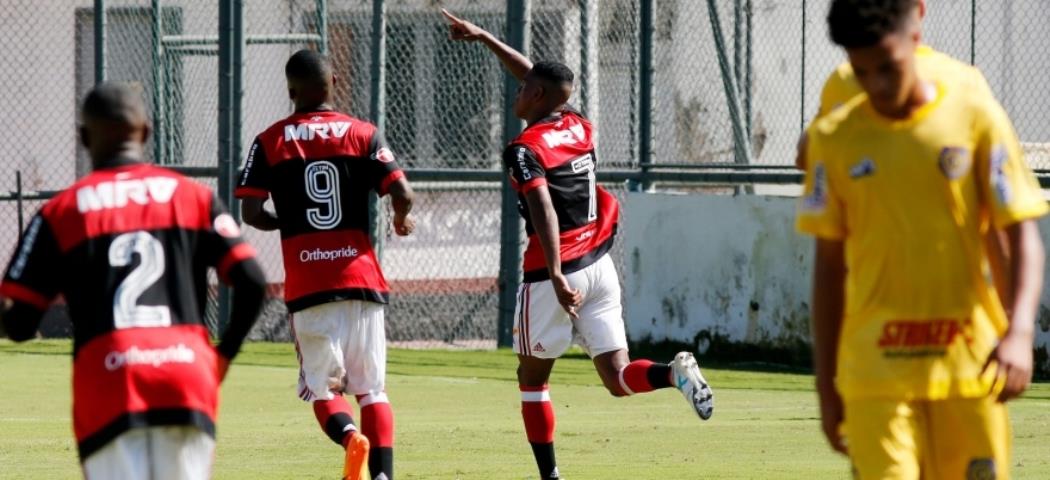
x=128, y=247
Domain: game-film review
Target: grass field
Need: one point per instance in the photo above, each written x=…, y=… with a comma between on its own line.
x=457, y=418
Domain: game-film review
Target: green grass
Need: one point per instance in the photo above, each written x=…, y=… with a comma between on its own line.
x=458, y=417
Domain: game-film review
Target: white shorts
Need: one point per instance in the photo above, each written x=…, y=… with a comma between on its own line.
x=156, y=453
x=543, y=329
x=341, y=348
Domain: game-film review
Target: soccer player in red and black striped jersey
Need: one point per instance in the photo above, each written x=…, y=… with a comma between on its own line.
x=319, y=166
x=571, y=291
x=128, y=247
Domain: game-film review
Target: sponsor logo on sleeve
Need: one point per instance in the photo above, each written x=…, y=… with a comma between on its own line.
x=817, y=200
x=954, y=162
x=28, y=240
x=526, y=175
x=1000, y=184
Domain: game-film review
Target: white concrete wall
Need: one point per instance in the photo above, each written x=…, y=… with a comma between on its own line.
x=731, y=268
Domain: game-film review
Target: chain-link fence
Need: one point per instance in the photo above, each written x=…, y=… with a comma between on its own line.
x=680, y=90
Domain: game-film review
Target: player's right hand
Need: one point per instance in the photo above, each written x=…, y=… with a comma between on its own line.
x=831, y=417
x=460, y=29
x=569, y=298
x=404, y=226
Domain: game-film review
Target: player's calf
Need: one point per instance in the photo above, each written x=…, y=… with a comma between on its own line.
x=377, y=424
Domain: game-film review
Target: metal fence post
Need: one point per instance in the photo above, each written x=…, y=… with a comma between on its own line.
x=158, y=82
x=973, y=32
x=322, y=26
x=742, y=147
x=377, y=112
x=100, y=41
x=518, y=24
x=802, y=77
x=645, y=90
x=228, y=10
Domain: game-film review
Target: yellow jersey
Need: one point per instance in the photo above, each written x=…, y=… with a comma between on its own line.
x=912, y=199
x=842, y=85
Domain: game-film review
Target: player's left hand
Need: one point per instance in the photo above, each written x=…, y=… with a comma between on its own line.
x=1012, y=360
x=404, y=226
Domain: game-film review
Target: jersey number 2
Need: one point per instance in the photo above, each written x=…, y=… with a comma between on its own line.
x=322, y=186
x=127, y=313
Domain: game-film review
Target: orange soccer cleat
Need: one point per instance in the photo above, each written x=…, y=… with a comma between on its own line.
x=356, y=457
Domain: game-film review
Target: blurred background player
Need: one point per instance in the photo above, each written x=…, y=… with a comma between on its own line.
x=571, y=291
x=319, y=165
x=128, y=247
x=905, y=181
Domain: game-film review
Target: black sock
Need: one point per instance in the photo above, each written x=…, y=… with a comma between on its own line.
x=381, y=460
x=544, y=453
x=659, y=375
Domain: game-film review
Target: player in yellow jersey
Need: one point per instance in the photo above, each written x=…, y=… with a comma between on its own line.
x=914, y=352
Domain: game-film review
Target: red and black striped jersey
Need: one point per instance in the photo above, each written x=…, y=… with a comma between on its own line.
x=129, y=248
x=559, y=152
x=319, y=167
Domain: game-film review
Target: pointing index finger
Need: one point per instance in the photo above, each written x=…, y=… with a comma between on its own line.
x=451, y=18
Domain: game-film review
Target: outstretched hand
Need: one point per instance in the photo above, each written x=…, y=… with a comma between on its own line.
x=460, y=29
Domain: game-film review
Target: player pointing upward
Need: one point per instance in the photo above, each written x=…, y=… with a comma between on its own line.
x=571, y=291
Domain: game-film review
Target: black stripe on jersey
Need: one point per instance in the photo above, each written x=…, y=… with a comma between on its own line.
x=149, y=418
x=329, y=296
x=573, y=265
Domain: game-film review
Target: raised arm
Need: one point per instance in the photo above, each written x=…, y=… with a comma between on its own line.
x=513, y=60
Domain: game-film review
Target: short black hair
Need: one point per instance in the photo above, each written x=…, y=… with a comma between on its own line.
x=115, y=102
x=863, y=23
x=308, y=65
x=554, y=72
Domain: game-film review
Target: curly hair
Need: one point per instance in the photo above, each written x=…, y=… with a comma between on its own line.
x=863, y=23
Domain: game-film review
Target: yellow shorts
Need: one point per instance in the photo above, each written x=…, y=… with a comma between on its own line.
x=945, y=439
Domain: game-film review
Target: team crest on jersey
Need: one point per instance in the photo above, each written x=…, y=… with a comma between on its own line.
x=981, y=469
x=864, y=168
x=384, y=155
x=954, y=162
x=226, y=226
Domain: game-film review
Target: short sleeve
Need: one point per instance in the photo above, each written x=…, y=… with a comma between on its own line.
x=383, y=167
x=1008, y=187
x=526, y=172
x=839, y=88
x=222, y=245
x=820, y=209
x=31, y=276
x=255, y=178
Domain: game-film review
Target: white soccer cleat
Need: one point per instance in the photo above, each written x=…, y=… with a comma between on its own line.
x=688, y=379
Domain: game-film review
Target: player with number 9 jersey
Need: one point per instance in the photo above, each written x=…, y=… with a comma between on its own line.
x=320, y=166
x=128, y=247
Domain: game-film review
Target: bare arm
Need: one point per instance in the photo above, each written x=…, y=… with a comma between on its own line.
x=1014, y=352
x=829, y=278
x=513, y=60
x=401, y=198
x=545, y=221
x=256, y=215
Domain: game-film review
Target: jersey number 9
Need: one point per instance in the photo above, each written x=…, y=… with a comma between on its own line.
x=322, y=187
